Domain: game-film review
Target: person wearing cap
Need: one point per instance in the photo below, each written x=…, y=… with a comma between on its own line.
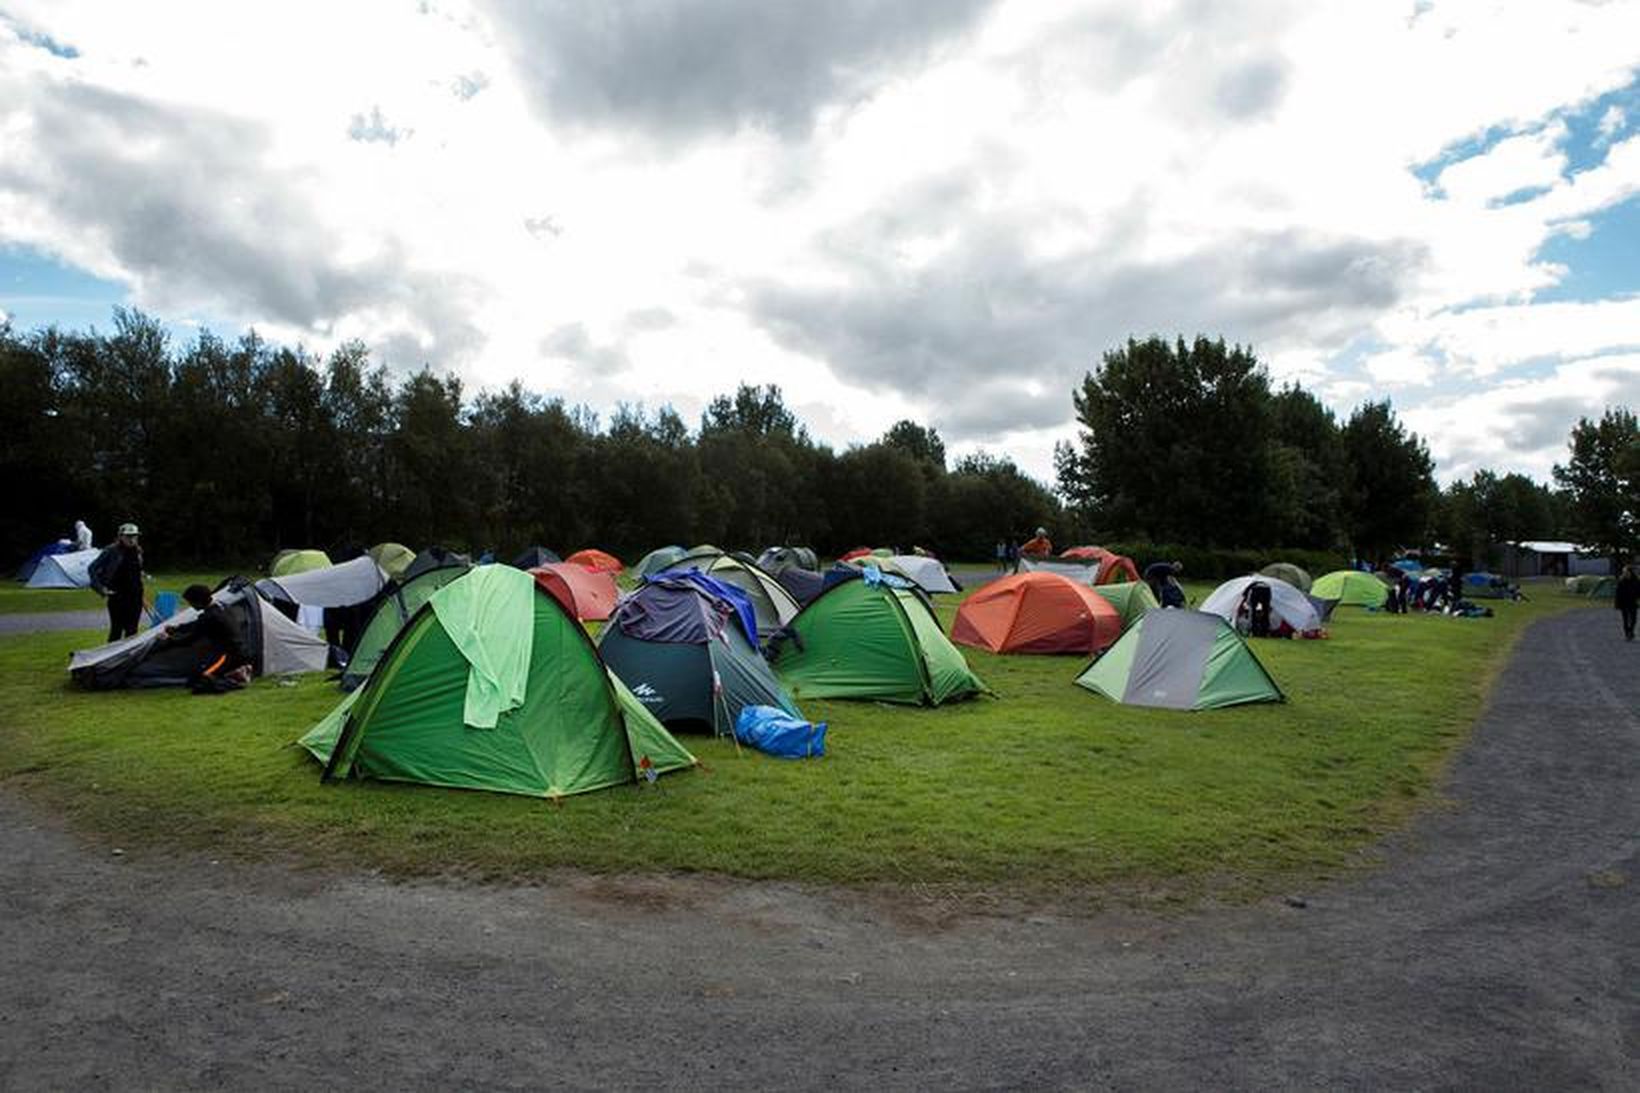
x=117, y=575
x=1038, y=547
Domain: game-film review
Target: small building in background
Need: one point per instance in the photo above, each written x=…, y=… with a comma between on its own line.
x=1547, y=558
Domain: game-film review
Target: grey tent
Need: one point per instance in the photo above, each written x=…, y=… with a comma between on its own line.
x=275, y=644
x=659, y=560
x=1180, y=660
x=332, y=586
x=778, y=559
x=682, y=652
x=534, y=556
x=432, y=558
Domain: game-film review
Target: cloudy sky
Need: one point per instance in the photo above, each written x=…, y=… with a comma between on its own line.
x=942, y=210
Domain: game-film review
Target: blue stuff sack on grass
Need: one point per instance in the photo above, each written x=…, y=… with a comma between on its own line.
x=778, y=733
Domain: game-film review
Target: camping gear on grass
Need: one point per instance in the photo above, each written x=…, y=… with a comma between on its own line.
x=1037, y=613
x=684, y=647
x=275, y=644
x=776, y=732
x=872, y=637
x=493, y=685
x=1181, y=660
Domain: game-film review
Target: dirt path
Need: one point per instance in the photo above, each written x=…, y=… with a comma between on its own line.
x=1496, y=949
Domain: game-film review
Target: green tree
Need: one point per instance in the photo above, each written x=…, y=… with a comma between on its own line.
x=1391, y=485
x=1601, y=477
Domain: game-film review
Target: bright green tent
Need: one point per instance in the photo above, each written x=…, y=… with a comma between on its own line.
x=393, y=610
x=394, y=558
x=1130, y=598
x=1350, y=586
x=493, y=685
x=1292, y=574
x=288, y=563
x=1180, y=660
x=870, y=640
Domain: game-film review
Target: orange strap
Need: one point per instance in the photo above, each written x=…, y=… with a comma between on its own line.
x=219, y=662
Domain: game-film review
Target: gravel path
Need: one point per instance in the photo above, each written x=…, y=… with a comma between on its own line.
x=34, y=622
x=1496, y=948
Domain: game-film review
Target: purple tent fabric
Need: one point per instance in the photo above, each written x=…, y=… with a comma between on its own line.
x=684, y=605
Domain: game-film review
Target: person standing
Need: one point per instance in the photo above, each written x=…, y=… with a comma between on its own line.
x=1002, y=556
x=82, y=535
x=117, y=575
x=1627, y=599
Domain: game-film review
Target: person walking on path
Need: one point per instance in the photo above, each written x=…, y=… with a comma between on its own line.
x=1627, y=599
x=117, y=575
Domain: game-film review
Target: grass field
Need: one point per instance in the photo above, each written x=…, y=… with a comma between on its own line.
x=1046, y=789
x=15, y=599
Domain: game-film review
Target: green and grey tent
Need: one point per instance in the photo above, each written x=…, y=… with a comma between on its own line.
x=1604, y=589
x=493, y=685
x=681, y=647
x=394, y=558
x=1292, y=574
x=659, y=560
x=873, y=638
x=394, y=608
x=1130, y=598
x=1350, y=586
x=1180, y=660
x=775, y=607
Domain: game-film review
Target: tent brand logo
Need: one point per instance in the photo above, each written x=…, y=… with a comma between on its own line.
x=648, y=694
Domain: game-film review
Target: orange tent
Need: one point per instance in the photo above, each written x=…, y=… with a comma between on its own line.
x=1085, y=553
x=585, y=593
x=1116, y=569
x=1037, y=613
x=596, y=560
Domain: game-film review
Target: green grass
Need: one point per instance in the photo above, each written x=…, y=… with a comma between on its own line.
x=15, y=599
x=1047, y=789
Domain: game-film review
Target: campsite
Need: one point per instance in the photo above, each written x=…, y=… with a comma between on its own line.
x=1038, y=785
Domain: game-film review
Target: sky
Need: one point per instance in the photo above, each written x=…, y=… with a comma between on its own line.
x=946, y=210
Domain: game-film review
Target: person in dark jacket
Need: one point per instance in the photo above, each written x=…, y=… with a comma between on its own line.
x=117, y=575
x=225, y=656
x=1627, y=598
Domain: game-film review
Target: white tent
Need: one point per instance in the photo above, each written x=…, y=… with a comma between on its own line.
x=333, y=586
x=279, y=645
x=71, y=570
x=1287, y=604
x=926, y=573
x=1081, y=572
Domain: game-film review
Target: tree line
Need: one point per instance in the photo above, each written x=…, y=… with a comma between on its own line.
x=225, y=451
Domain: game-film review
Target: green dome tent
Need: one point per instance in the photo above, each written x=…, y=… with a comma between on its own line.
x=659, y=560
x=395, y=607
x=873, y=640
x=1130, y=598
x=394, y=558
x=1180, y=660
x=288, y=563
x=1292, y=574
x=492, y=685
x=1350, y=586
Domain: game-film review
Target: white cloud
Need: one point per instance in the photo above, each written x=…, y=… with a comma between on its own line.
x=950, y=220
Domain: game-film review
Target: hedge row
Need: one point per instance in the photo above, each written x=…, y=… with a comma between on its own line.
x=1201, y=563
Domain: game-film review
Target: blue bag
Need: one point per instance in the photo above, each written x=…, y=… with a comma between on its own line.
x=778, y=733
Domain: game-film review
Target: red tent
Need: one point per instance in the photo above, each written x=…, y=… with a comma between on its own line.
x=1037, y=613
x=585, y=593
x=596, y=560
x=1116, y=569
x=1085, y=553
x=857, y=552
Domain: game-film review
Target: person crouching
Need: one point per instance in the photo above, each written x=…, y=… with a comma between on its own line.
x=224, y=664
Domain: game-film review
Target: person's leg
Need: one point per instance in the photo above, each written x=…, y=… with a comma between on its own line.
x=114, y=628
x=1629, y=614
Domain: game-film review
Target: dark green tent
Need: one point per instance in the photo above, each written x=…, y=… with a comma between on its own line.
x=493, y=685
x=1180, y=660
x=394, y=608
x=873, y=639
x=682, y=651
